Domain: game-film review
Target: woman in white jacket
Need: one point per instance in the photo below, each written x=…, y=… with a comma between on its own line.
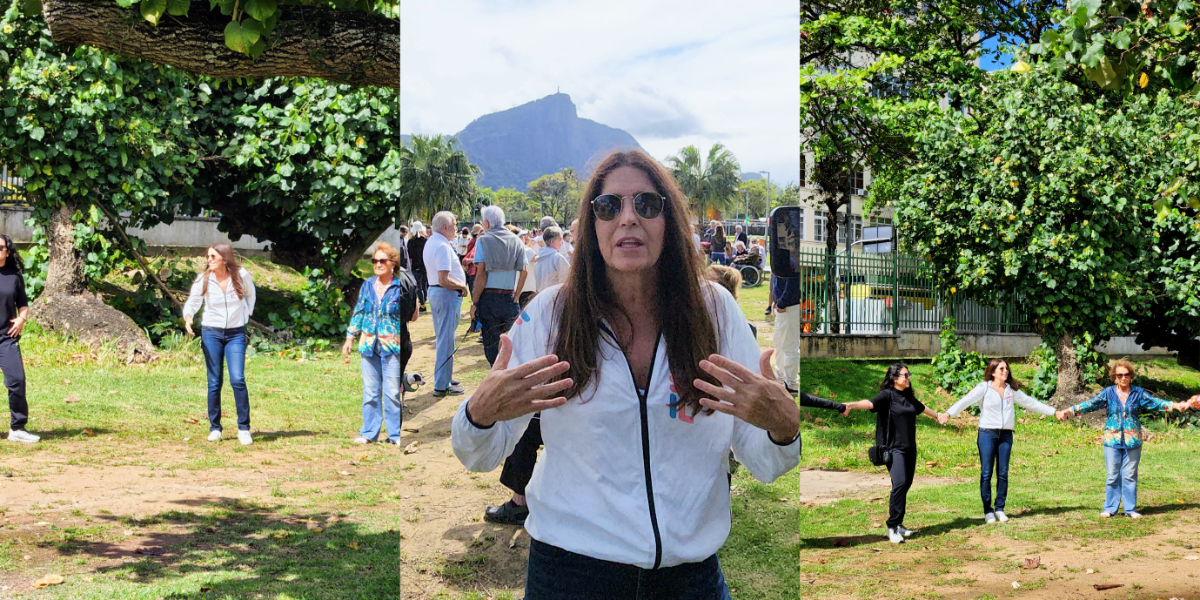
x=646, y=376
x=226, y=292
x=997, y=397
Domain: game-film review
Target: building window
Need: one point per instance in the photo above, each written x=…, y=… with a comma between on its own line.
x=860, y=182
x=819, y=219
x=803, y=171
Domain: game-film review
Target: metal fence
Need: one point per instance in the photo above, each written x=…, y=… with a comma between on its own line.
x=12, y=188
x=858, y=293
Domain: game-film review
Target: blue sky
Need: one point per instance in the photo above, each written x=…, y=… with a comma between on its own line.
x=670, y=72
x=988, y=64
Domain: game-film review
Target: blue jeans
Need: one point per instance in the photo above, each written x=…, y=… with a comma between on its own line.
x=226, y=346
x=382, y=377
x=557, y=574
x=1121, y=486
x=446, y=306
x=995, y=448
x=718, y=258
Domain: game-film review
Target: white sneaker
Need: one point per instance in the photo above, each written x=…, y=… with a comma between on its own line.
x=244, y=437
x=1000, y=516
x=214, y=435
x=904, y=531
x=20, y=435
x=1105, y=515
x=361, y=440
x=894, y=536
x=989, y=518
x=1133, y=514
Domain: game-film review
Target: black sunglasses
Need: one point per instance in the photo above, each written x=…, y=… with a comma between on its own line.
x=648, y=205
x=380, y=261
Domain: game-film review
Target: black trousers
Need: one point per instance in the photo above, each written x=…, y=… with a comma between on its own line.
x=496, y=313
x=904, y=467
x=554, y=573
x=518, y=467
x=14, y=380
x=422, y=287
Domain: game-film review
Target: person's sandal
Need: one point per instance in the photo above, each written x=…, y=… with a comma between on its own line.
x=508, y=513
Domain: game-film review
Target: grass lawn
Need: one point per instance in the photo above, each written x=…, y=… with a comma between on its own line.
x=304, y=513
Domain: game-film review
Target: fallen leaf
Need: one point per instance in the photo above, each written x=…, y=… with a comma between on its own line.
x=48, y=581
x=932, y=463
x=353, y=545
x=819, y=561
x=70, y=398
x=111, y=392
x=318, y=529
x=1107, y=586
x=1031, y=563
x=841, y=543
x=66, y=382
x=192, y=421
x=149, y=550
x=273, y=390
x=128, y=532
x=362, y=457
x=42, y=524
x=411, y=448
x=88, y=432
x=343, y=472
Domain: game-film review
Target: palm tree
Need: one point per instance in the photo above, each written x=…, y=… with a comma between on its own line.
x=435, y=175
x=709, y=184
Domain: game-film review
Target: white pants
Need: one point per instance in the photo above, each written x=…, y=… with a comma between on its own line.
x=787, y=346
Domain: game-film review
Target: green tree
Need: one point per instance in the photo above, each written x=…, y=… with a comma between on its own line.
x=1032, y=195
x=517, y=206
x=90, y=133
x=435, y=175
x=710, y=183
x=556, y=195
x=756, y=191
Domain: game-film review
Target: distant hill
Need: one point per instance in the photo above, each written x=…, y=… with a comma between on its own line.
x=516, y=146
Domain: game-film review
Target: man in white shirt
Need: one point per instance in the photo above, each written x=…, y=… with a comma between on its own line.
x=447, y=286
x=567, y=249
x=551, y=267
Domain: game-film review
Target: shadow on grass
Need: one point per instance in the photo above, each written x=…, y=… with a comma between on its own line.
x=267, y=436
x=74, y=432
x=249, y=550
x=489, y=561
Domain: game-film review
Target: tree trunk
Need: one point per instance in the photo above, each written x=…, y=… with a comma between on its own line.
x=355, y=48
x=832, y=287
x=66, y=306
x=1070, y=378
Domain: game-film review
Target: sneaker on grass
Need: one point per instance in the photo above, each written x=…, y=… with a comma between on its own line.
x=1000, y=516
x=904, y=531
x=989, y=518
x=1133, y=514
x=244, y=437
x=894, y=536
x=20, y=435
x=1105, y=515
x=214, y=435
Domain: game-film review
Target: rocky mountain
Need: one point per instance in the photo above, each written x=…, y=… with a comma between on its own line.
x=516, y=146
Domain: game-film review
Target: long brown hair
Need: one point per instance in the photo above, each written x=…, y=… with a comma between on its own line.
x=681, y=310
x=231, y=265
x=1012, y=379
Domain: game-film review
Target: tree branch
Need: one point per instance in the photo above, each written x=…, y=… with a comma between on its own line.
x=350, y=47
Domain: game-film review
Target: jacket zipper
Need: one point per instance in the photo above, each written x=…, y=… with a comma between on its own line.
x=644, y=411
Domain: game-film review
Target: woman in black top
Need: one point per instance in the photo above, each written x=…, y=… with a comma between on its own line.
x=14, y=311
x=896, y=409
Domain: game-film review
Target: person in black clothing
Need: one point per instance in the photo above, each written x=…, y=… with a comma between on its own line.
x=14, y=312
x=416, y=253
x=896, y=409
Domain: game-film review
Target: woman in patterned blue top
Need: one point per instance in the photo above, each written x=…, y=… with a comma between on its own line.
x=386, y=303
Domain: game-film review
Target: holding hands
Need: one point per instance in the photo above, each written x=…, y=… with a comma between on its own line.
x=943, y=419
x=758, y=399
x=509, y=393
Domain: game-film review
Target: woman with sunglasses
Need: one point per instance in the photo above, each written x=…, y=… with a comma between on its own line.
x=14, y=313
x=646, y=376
x=386, y=304
x=998, y=396
x=896, y=408
x=1123, y=403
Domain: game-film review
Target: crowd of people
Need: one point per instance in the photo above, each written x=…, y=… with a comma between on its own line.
x=618, y=345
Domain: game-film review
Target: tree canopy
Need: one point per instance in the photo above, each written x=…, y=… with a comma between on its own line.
x=710, y=183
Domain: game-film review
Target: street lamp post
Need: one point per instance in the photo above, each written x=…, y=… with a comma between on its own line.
x=768, y=173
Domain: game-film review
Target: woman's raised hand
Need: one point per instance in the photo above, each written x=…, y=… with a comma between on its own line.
x=756, y=398
x=509, y=393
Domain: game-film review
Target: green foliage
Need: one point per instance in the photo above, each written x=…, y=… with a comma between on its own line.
x=436, y=175
x=320, y=312
x=1045, y=379
x=1093, y=364
x=556, y=195
x=1033, y=194
x=36, y=261
x=708, y=184
x=1123, y=46
x=956, y=371
x=147, y=306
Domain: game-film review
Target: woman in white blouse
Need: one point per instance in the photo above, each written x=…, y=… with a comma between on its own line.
x=997, y=397
x=226, y=292
x=646, y=376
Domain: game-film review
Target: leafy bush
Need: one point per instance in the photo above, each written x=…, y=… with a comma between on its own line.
x=321, y=311
x=1093, y=366
x=1045, y=380
x=956, y=371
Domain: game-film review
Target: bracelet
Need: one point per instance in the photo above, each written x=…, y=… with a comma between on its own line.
x=467, y=413
x=787, y=443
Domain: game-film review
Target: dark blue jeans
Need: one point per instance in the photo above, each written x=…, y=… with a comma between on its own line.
x=496, y=312
x=557, y=574
x=226, y=346
x=995, y=448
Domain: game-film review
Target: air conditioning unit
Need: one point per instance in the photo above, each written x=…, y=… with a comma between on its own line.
x=860, y=192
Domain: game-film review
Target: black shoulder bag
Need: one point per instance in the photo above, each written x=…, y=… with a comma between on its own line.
x=881, y=456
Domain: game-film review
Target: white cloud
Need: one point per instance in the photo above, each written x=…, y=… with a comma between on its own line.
x=671, y=73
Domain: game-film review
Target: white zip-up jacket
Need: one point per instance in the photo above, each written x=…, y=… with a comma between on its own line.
x=223, y=310
x=627, y=478
x=996, y=412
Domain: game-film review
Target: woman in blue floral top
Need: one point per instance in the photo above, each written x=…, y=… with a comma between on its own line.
x=386, y=303
x=1122, y=434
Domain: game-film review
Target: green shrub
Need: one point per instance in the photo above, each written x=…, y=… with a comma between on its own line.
x=956, y=371
x=321, y=312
